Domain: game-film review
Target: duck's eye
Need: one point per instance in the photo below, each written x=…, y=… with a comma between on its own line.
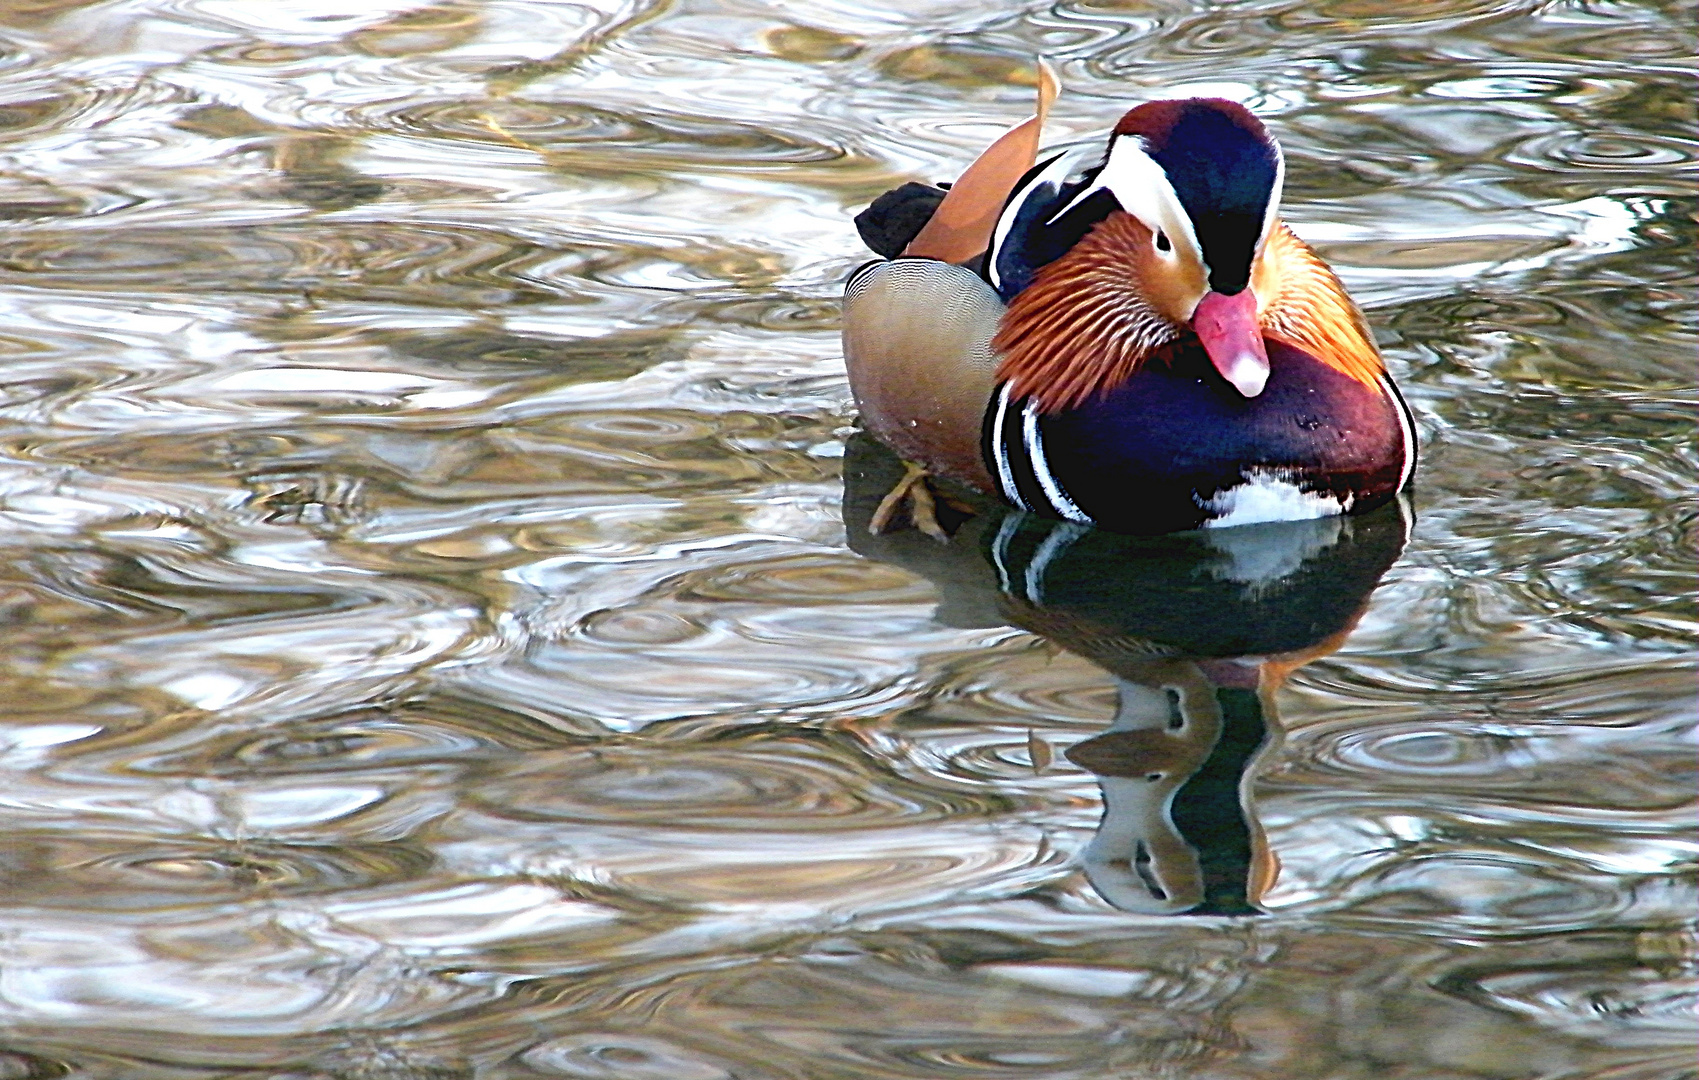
x=1162, y=243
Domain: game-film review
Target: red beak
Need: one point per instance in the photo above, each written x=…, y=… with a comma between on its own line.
x=1227, y=326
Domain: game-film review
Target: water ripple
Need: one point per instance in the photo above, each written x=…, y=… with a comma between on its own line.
x=435, y=641
x=749, y=784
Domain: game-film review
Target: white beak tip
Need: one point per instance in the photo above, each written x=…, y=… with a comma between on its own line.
x=1248, y=374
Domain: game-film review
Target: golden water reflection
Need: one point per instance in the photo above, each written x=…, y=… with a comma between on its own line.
x=432, y=645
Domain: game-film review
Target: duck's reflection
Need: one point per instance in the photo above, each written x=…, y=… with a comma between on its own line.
x=1198, y=630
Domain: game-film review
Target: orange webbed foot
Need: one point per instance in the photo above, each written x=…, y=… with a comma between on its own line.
x=913, y=492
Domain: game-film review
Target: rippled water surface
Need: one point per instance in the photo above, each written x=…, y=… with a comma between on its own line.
x=435, y=640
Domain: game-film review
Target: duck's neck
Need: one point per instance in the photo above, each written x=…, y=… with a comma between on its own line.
x=1302, y=303
x=1087, y=321
x=1090, y=320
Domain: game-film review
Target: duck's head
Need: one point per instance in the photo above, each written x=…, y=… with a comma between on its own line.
x=1208, y=170
x=1159, y=239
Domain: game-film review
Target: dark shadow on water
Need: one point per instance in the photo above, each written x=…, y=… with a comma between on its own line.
x=1198, y=631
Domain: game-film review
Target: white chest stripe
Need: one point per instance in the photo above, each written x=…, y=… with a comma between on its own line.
x=1000, y=451
x=1034, y=442
x=1405, y=426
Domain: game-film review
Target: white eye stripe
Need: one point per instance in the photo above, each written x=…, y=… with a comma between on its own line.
x=1143, y=190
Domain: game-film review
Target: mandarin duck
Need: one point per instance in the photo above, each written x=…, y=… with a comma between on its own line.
x=1198, y=630
x=1130, y=338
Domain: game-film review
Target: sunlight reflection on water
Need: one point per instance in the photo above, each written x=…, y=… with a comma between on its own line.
x=437, y=641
